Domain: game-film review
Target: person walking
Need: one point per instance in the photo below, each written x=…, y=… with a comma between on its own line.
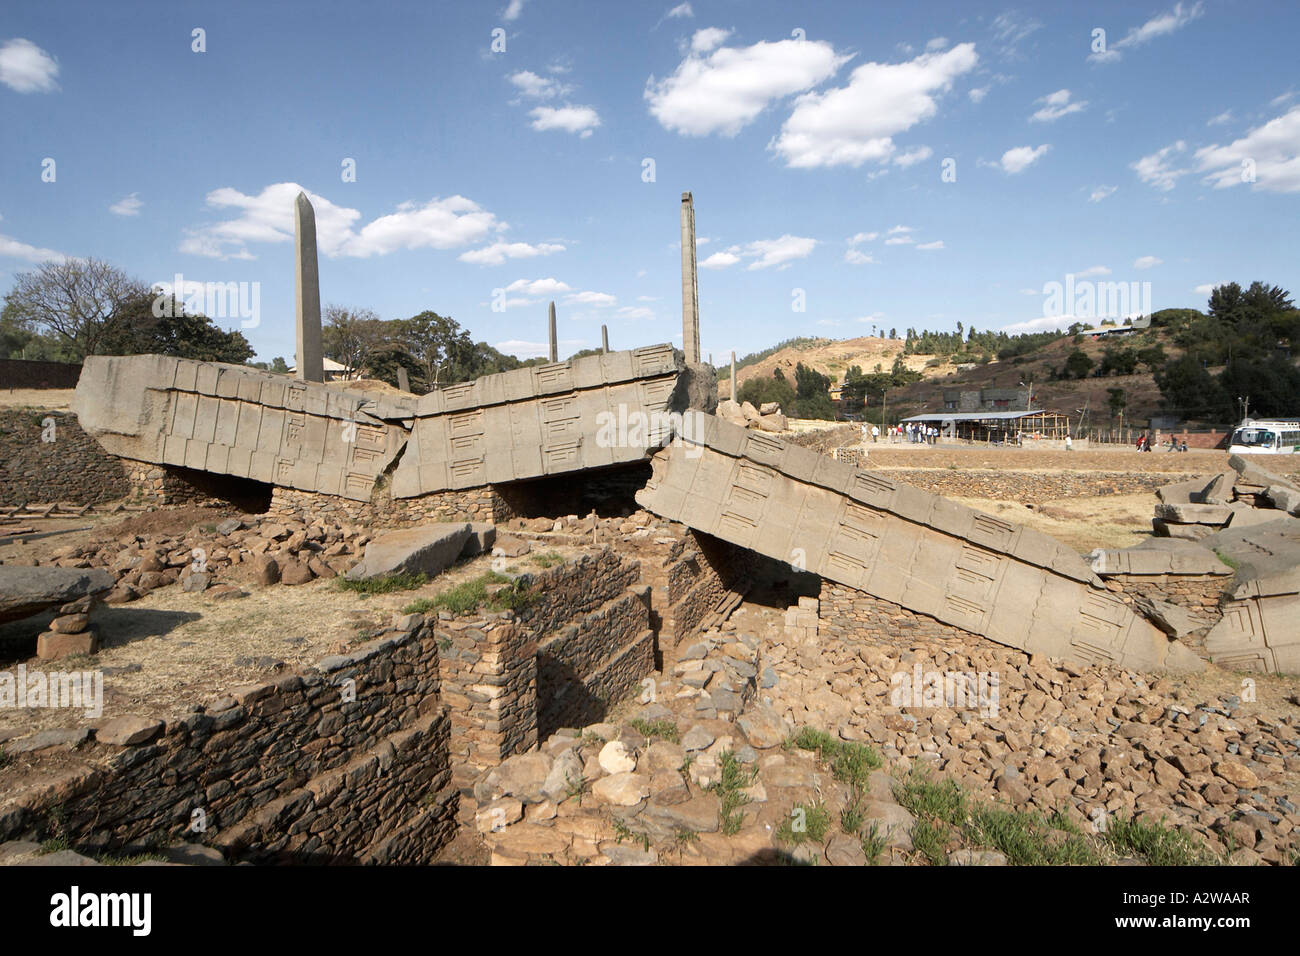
x=1069, y=443
x=875, y=434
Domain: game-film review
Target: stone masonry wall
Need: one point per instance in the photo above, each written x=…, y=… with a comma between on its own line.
x=705, y=583
x=583, y=644
x=345, y=762
x=1199, y=594
x=846, y=614
x=72, y=467
x=474, y=504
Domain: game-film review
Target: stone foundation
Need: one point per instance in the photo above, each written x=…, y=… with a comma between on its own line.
x=48, y=458
x=474, y=504
x=511, y=679
x=346, y=762
x=1201, y=595
x=849, y=615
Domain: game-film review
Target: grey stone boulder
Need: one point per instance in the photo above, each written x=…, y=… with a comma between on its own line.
x=427, y=549
x=1170, y=618
x=27, y=591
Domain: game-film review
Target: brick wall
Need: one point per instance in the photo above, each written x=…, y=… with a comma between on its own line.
x=345, y=762
x=706, y=581
x=72, y=467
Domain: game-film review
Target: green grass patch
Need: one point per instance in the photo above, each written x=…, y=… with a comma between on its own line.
x=547, y=559
x=1228, y=560
x=55, y=844
x=805, y=823
x=469, y=596
x=873, y=844
x=850, y=762
x=1157, y=844
x=663, y=729
x=130, y=859
x=403, y=581
x=733, y=779
x=947, y=816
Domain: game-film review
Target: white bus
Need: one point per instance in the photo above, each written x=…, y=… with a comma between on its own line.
x=1257, y=437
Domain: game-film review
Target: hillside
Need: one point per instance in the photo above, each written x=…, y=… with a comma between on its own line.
x=832, y=358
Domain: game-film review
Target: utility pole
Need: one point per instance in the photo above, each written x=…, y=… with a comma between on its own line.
x=884, y=407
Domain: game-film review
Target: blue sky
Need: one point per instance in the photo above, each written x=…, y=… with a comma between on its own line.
x=814, y=137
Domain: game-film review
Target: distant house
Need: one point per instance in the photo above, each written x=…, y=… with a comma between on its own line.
x=333, y=372
x=1115, y=331
x=986, y=399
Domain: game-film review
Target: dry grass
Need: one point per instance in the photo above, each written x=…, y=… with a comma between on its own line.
x=1082, y=524
x=55, y=399
x=190, y=648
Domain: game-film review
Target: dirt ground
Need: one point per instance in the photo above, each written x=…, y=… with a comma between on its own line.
x=51, y=398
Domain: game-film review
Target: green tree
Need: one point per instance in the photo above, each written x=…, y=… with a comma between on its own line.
x=1077, y=364
x=1188, y=389
x=81, y=301
x=152, y=324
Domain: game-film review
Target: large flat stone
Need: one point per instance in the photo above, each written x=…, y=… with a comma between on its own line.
x=427, y=549
x=27, y=591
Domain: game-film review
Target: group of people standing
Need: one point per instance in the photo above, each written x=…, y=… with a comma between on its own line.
x=909, y=431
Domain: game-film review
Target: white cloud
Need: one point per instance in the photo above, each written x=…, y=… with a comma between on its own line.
x=11, y=248
x=512, y=10
x=873, y=317
x=1021, y=158
x=1055, y=323
x=522, y=349
x=977, y=93
x=1146, y=262
x=591, y=298
x=1282, y=98
x=1224, y=117
x=863, y=237
x=1101, y=192
x=937, y=244
x=538, y=87
x=1207, y=288
x=1008, y=30
x=1157, y=169
x=1271, y=151
x=938, y=43
x=856, y=123
x=918, y=155
x=900, y=241
x=779, y=252
x=1055, y=105
x=1165, y=23
x=268, y=217
x=26, y=68
x=548, y=286
x=897, y=229
x=499, y=252
x=681, y=10
x=724, y=91
x=710, y=38
x=636, y=312
x=858, y=258
x=572, y=119
x=647, y=298
x=764, y=253
x=127, y=206
x=1092, y=271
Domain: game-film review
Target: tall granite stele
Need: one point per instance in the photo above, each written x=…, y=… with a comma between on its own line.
x=311, y=355
x=550, y=323
x=690, y=284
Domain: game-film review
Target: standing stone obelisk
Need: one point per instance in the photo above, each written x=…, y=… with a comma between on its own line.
x=690, y=283
x=311, y=357
x=735, y=389
x=555, y=345
x=604, y=338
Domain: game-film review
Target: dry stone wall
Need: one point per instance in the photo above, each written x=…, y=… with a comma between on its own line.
x=583, y=644
x=47, y=458
x=345, y=762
